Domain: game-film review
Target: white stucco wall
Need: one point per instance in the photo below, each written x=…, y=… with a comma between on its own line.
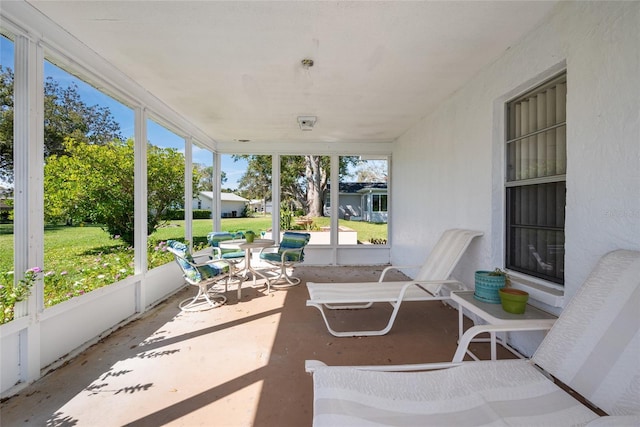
x=228, y=207
x=452, y=161
x=205, y=203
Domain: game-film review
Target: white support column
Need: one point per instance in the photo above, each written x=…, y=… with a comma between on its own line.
x=140, y=209
x=275, y=197
x=389, y=201
x=29, y=190
x=216, y=203
x=334, y=193
x=188, y=190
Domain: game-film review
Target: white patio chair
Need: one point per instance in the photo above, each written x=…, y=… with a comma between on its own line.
x=593, y=348
x=203, y=275
x=232, y=256
x=431, y=280
x=289, y=253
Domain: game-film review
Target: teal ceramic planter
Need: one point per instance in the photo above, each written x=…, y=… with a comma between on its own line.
x=487, y=285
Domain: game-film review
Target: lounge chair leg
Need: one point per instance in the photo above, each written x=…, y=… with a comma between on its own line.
x=383, y=331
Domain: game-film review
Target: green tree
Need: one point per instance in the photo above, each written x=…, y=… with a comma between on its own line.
x=303, y=179
x=372, y=171
x=255, y=183
x=96, y=183
x=205, y=176
x=65, y=116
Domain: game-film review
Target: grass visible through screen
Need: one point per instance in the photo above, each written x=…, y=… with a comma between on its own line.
x=80, y=259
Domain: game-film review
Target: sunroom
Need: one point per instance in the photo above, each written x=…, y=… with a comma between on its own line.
x=517, y=119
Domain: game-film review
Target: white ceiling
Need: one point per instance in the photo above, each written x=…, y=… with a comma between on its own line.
x=234, y=68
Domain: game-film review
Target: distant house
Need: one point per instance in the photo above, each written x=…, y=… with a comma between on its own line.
x=360, y=201
x=232, y=205
x=256, y=205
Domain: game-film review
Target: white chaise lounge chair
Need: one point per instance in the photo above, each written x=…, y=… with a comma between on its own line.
x=593, y=348
x=431, y=279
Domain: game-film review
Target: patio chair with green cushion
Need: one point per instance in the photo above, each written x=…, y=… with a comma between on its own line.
x=592, y=349
x=289, y=253
x=203, y=275
x=432, y=282
x=234, y=256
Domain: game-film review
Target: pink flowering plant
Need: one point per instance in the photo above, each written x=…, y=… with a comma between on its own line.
x=157, y=254
x=11, y=293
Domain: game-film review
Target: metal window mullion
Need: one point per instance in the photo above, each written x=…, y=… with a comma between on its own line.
x=529, y=135
x=535, y=181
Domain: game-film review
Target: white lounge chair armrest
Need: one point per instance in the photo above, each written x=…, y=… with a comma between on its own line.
x=461, y=286
x=471, y=333
x=311, y=365
x=395, y=267
x=440, y=282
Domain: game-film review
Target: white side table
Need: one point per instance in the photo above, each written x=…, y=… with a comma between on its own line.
x=243, y=244
x=493, y=314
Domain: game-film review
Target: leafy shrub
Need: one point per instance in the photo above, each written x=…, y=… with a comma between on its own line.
x=11, y=293
x=178, y=214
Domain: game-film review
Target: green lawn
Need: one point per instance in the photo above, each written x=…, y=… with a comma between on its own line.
x=70, y=243
x=80, y=259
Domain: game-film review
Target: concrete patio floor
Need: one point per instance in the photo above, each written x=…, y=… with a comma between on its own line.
x=238, y=365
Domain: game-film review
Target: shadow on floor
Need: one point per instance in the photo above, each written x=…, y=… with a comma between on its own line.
x=238, y=365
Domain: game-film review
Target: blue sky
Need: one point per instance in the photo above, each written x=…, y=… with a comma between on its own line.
x=124, y=116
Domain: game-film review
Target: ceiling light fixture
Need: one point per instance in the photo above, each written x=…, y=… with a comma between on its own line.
x=307, y=122
x=243, y=140
x=307, y=63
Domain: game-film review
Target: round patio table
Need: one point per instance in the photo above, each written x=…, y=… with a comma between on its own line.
x=243, y=244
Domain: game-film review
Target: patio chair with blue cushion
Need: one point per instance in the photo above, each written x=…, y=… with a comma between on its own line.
x=233, y=256
x=203, y=275
x=591, y=351
x=289, y=253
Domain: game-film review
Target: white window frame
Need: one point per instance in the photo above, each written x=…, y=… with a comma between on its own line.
x=545, y=291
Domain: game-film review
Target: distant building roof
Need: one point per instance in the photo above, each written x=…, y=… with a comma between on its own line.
x=225, y=197
x=355, y=187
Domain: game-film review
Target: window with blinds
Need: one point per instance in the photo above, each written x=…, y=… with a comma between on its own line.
x=535, y=181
